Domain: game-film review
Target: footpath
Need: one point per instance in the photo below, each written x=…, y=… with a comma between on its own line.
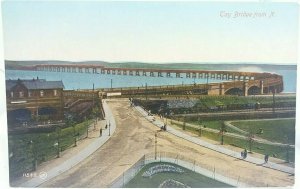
x=214, y=147
x=53, y=169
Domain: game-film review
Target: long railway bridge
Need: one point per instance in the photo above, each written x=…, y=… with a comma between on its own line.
x=229, y=82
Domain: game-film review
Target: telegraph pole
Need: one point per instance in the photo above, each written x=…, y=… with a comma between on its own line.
x=146, y=92
x=207, y=83
x=93, y=109
x=273, y=91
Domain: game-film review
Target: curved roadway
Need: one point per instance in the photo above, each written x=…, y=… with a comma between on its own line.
x=134, y=137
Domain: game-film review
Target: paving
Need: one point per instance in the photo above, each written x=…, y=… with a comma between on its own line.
x=220, y=149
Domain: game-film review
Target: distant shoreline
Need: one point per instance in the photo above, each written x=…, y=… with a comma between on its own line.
x=23, y=65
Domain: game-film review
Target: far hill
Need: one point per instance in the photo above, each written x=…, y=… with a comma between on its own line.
x=10, y=64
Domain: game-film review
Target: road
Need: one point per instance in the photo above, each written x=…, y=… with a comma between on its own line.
x=134, y=137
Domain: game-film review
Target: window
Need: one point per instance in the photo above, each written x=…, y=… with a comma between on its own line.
x=55, y=92
x=11, y=94
x=21, y=94
x=29, y=94
x=41, y=93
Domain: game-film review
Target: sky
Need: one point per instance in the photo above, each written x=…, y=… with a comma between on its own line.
x=155, y=32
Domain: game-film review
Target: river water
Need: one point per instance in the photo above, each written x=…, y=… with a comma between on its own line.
x=86, y=80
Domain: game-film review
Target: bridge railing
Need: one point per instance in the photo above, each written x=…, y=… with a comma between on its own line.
x=203, y=167
x=80, y=94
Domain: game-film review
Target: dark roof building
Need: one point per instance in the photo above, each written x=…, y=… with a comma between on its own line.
x=35, y=84
x=34, y=101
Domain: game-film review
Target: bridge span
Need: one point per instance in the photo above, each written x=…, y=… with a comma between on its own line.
x=233, y=82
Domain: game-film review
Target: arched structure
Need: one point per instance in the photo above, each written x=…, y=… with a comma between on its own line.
x=234, y=91
x=248, y=82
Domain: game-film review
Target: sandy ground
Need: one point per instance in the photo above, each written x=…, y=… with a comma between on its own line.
x=134, y=137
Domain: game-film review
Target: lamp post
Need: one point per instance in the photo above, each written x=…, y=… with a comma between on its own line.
x=75, y=135
x=200, y=131
x=250, y=141
x=200, y=124
x=87, y=129
x=155, y=147
x=273, y=107
x=34, y=153
x=58, y=141
x=287, y=147
x=183, y=123
x=109, y=128
x=223, y=129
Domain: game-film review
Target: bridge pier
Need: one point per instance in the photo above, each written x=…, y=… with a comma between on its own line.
x=144, y=73
x=124, y=72
x=194, y=75
x=245, y=88
x=261, y=87
x=200, y=75
x=168, y=74
x=178, y=75
x=222, y=89
x=94, y=70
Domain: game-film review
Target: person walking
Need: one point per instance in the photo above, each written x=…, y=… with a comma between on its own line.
x=245, y=153
x=266, y=158
x=100, y=131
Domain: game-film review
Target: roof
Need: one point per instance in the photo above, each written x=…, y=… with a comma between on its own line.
x=35, y=84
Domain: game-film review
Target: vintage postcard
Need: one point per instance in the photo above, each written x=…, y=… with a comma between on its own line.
x=150, y=94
